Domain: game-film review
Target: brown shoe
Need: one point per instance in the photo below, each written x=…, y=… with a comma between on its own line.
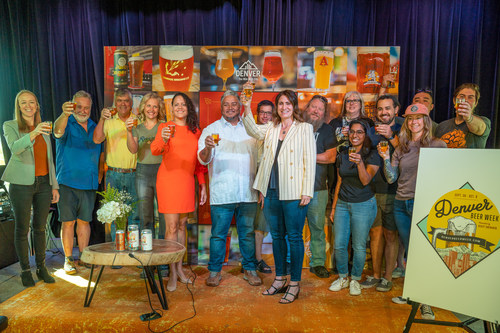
x=252, y=278
x=214, y=279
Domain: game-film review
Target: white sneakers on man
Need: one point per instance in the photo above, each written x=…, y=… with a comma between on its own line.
x=354, y=288
x=340, y=283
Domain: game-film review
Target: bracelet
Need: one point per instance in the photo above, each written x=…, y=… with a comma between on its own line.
x=470, y=119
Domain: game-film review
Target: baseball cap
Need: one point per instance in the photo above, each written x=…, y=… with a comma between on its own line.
x=416, y=108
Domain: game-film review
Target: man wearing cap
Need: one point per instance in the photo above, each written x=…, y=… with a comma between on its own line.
x=314, y=114
x=465, y=130
x=78, y=173
x=121, y=162
x=384, y=228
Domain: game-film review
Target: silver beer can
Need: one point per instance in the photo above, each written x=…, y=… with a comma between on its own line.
x=147, y=240
x=133, y=237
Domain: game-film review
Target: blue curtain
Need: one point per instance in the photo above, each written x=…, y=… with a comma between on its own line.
x=55, y=48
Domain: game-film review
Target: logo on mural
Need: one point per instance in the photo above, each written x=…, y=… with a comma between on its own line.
x=248, y=71
x=371, y=77
x=463, y=227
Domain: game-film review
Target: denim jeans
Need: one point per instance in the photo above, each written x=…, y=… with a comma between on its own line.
x=222, y=215
x=126, y=182
x=316, y=222
x=145, y=184
x=23, y=197
x=286, y=217
x=403, y=210
x=356, y=219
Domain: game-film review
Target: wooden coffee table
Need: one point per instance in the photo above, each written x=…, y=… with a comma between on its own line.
x=164, y=252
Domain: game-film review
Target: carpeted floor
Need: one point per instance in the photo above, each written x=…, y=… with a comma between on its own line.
x=234, y=306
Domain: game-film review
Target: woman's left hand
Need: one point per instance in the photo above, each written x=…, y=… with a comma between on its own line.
x=203, y=194
x=55, y=196
x=304, y=200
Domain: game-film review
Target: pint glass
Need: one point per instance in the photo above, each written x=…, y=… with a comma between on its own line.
x=176, y=67
x=323, y=66
x=136, y=70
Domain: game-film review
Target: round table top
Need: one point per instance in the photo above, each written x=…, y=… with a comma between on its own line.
x=164, y=252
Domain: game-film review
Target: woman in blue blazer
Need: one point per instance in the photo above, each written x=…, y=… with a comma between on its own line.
x=32, y=179
x=286, y=180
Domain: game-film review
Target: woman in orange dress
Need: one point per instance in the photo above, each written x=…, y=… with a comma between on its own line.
x=177, y=142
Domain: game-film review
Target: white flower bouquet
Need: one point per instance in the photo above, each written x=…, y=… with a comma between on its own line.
x=116, y=207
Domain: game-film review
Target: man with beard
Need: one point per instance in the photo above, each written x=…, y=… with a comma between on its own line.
x=384, y=227
x=314, y=114
x=77, y=171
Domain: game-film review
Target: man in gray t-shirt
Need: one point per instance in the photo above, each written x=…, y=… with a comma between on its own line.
x=465, y=130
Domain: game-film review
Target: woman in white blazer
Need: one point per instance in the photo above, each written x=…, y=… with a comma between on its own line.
x=285, y=180
x=32, y=179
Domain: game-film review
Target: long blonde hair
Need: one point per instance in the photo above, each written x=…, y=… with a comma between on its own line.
x=145, y=99
x=21, y=123
x=362, y=103
x=405, y=135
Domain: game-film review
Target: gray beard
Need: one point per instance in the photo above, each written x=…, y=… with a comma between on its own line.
x=315, y=123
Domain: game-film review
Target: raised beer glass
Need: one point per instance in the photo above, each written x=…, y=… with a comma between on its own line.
x=224, y=67
x=273, y=66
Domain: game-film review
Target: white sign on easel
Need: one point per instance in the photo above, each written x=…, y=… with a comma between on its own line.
x=454, y=256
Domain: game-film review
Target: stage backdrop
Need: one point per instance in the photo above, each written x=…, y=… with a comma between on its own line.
x=453, y=259
x=205, y=72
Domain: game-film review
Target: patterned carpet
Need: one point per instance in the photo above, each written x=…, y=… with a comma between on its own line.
x=234, y=306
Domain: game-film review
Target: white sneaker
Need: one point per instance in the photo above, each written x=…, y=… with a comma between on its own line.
x=354, y=288
x=69, y=266
x=340, y=283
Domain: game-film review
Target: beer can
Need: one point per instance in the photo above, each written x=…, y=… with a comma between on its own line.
x=120, y=69
x=147, y=240
x=133, y=237
x=120, y=240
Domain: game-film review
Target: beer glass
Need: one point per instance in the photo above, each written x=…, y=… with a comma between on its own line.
x=216, y=138
x=167, y=99
x=248, y=88
x=136, y=71
x=323, y=66
x=352, y=150
x=49, y=123
x=457, y=226
x=176, y=67
x=384, y=145
x=459, y=101
x=393, y=71
x=171, y=129
x=113, y=111
x=224, y=67
x=73, y=105
x=273, y=66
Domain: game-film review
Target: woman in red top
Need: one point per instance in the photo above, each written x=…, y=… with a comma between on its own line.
x=177, y=142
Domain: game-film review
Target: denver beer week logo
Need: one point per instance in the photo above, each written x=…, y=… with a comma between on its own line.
x=463, y=227
x=248, y=71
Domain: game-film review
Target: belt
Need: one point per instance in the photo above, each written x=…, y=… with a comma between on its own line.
x=121, y=170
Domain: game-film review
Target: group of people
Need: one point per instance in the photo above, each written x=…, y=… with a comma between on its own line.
x=269, y=175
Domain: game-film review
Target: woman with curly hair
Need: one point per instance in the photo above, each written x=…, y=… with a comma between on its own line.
x=151, y=115
x=177, y=142
x=354, y=206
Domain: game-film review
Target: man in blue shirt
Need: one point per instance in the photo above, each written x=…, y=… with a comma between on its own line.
x=77, y=171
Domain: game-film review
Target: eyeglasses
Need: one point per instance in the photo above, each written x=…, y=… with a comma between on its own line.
x=353, y=101
x=266, y=113
x=359, y=132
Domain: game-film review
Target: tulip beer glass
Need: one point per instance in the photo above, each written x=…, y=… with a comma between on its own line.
x=273, y=66
x=224, y=67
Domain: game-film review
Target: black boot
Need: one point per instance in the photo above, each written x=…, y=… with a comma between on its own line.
x=4, y=322
x=43, y=274
x=27, y=278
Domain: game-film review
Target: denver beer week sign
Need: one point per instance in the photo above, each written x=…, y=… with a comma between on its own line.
x=453, y=258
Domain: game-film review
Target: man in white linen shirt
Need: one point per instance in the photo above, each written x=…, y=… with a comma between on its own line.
x=232, y=166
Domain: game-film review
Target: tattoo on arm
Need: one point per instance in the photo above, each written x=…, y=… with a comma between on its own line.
x=391, y=173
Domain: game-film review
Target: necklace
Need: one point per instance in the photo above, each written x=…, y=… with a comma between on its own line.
x=284, y=129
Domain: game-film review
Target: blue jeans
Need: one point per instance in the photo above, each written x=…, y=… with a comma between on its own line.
x=222, y=215
x=23, y=197
x=145, y=183
x=286, y=217
x=356, y=218
x=316, y=222
x=403, y=210
x=125, y=182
